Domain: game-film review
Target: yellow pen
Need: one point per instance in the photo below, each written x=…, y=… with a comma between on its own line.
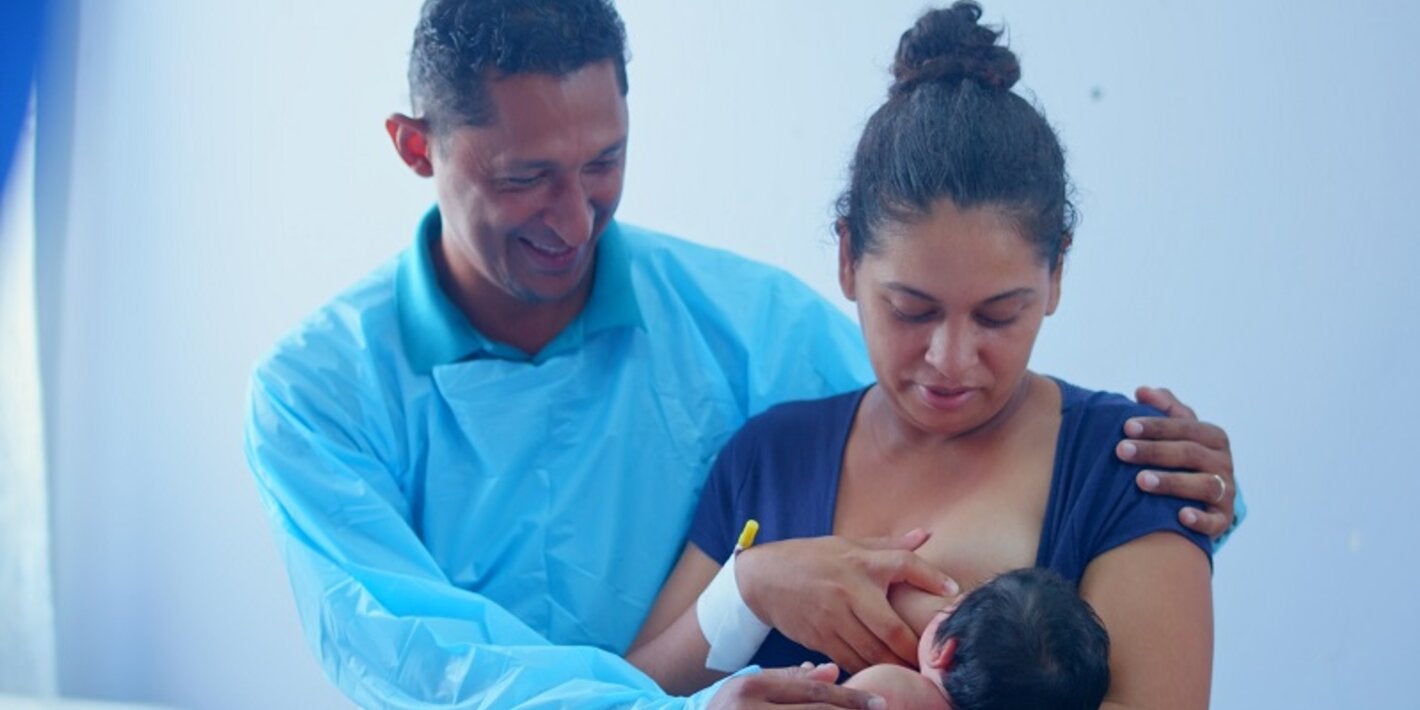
x=747, y=535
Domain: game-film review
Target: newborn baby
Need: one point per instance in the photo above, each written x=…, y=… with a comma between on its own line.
x=1024, y=639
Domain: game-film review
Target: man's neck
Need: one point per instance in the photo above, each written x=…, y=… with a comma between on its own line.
x=502, y=317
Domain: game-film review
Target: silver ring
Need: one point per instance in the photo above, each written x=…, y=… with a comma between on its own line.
x=1222, y=489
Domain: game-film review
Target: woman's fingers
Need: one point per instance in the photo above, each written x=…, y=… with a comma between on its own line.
x=879, y=635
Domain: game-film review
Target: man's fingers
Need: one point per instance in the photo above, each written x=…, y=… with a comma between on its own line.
x=1211, y=490
x=787, y=689
x=1162, y=429
x=1162, y=399
x=822, y=672
x=1210, y=524
x=1186, y=455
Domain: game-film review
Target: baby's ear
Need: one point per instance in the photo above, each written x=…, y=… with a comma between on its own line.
x=944, y=655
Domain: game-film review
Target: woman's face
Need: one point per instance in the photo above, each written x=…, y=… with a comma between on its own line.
x=950, y=305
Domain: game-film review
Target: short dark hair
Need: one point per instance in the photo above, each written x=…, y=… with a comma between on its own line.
x=1026, y=640
x=952, y=128
x=458, y=41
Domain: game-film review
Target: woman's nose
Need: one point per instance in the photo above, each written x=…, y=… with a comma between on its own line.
x=952, y=350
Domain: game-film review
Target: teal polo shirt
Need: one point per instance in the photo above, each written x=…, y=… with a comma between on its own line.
x=435, y=332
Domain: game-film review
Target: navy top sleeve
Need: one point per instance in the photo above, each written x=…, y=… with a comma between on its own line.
x=782, y=470
x=1095, y=505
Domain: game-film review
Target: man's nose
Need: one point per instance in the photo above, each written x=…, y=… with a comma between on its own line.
x=572, y=214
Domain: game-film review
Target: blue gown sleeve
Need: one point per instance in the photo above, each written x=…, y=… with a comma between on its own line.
x=388, y=626
x=1239, y=513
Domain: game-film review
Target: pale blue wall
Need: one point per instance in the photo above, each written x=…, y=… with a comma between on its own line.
x=1247, y=177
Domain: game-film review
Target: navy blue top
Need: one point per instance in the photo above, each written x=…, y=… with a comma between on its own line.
x=782, y=469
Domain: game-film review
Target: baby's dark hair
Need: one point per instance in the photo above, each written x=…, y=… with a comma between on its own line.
x=1026, y=640
x=457, y=41
x=951, y=128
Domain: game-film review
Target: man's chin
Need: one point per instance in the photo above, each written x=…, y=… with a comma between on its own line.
x=547, y=294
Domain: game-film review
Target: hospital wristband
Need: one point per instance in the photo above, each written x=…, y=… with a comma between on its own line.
x=729, y=626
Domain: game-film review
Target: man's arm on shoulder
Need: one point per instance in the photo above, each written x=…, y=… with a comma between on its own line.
x=1201, y=450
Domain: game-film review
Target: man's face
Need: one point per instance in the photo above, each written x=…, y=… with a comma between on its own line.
x=524, y=199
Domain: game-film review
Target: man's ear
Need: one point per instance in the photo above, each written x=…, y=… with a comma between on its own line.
x=412, y=141
x=943, y=657
x=846, y=268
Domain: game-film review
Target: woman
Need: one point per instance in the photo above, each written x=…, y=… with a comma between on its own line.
x=953, y=235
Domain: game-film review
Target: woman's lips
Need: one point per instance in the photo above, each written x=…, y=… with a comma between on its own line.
x=946, y=398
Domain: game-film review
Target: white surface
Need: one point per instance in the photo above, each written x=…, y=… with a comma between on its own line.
x=1246, y=173
x=16, y=702
x=27, y=660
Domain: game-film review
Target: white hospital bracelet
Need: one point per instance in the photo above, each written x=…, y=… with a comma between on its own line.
x=732, y=630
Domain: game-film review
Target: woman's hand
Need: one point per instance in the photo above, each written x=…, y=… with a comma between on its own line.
x=830, y=594
x=1180, y=441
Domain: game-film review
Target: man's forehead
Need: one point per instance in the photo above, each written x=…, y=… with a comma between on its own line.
x=541, y=117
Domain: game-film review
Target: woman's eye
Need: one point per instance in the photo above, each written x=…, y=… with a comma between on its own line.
x=912, y=316
x=601, y=166
x=991, y=322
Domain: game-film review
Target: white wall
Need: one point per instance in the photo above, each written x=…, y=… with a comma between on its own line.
x=1246, y=179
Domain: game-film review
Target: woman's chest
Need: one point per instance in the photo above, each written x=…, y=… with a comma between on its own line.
x=984, y=517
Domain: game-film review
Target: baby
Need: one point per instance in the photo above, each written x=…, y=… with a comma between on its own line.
x=1024, y=639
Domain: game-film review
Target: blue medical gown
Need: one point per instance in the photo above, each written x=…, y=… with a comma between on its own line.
x=491, y=532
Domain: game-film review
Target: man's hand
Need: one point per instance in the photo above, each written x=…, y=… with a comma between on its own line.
x=830, y=594
x=1182, y=442
x=811, y=687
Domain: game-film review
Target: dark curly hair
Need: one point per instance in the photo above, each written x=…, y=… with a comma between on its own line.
x=458, y=41
x=952, y=128
x=1026, y=640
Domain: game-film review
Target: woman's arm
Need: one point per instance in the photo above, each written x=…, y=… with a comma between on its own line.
x=827, y=593
x=670, y=647
x=1155, y=598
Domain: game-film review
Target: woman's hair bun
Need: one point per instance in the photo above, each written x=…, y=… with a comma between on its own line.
x=947, y=45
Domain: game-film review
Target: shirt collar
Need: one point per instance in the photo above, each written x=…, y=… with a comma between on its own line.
x=435, y=332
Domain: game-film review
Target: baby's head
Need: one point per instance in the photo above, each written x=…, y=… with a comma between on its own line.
x=1024, y=639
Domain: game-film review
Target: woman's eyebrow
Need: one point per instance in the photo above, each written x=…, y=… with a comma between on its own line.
x=904, y=288
x=1022, y=291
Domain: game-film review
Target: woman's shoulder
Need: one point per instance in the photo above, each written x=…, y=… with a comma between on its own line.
x=1095, y=502
x=1098, y=406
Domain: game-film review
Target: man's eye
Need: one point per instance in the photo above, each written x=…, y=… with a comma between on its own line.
x=521, y=181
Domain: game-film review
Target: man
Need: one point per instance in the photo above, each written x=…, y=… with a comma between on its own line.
x=481, y=460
